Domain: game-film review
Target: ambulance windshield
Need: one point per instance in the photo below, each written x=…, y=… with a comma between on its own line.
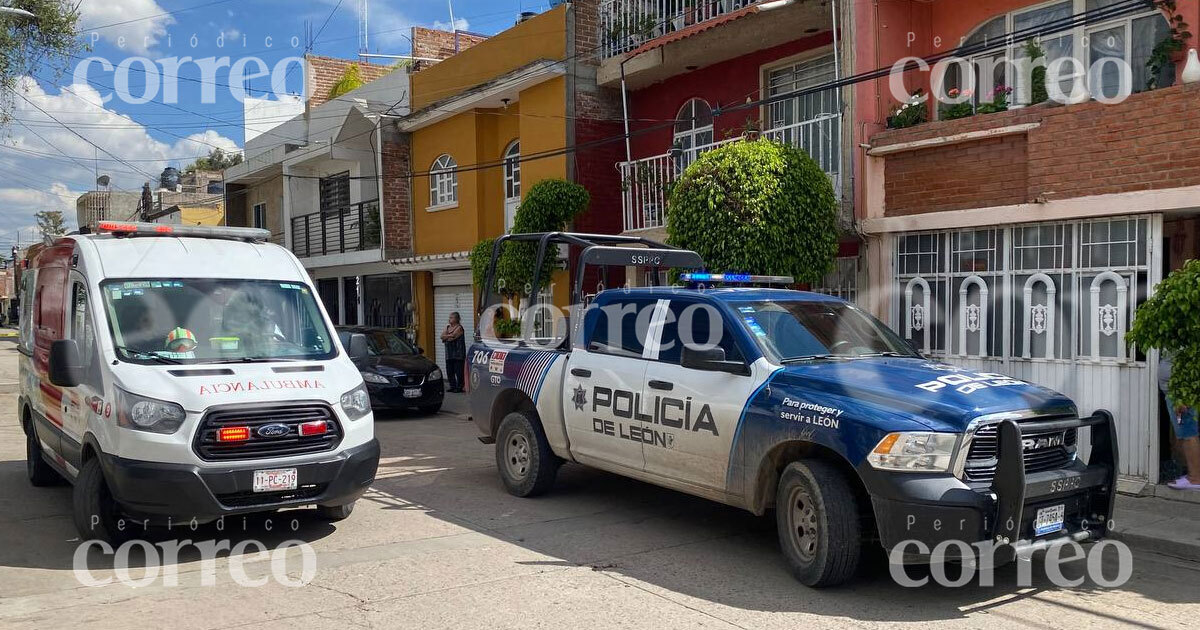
x=214, y=321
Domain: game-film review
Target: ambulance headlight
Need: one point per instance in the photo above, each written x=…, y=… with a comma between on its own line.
x=915, y=452
x=356, y=402
x=147, y=414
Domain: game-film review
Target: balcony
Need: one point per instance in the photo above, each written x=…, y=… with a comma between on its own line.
x=646, y=183
x=351, y=229
x=627, y=24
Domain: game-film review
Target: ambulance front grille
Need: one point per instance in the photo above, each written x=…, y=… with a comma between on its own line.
x=260, y=447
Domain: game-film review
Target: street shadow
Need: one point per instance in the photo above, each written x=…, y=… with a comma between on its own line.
x=36, y=526
x=698, y=548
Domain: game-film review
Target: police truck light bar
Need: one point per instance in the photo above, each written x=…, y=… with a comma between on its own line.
x=135, y=228
x=736, y=278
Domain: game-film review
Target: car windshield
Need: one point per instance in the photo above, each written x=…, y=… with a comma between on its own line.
x=214, y=321
x=381, y=342
x=799, y=330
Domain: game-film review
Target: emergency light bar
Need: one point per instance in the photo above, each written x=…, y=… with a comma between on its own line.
x=735, y=278
x=136, y=228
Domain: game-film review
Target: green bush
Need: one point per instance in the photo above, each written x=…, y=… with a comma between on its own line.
x=549, y=206
x=757, y=207
x=350, y=80
x=1170, y=321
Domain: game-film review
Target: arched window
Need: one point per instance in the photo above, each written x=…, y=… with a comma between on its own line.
x=1129, y=38
x=512, y=170
x=693, y=131
x=443, y=182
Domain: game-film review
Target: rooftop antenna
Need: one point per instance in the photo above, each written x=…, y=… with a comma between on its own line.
x=453, y=25
x=363, y=43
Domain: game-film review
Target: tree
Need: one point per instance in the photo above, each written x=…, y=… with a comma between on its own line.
x=1170, y=321
x=549, y=206
x=756, y=207
x=47, y=41
x=351, y=80
x=50, y=223
x=216, y=160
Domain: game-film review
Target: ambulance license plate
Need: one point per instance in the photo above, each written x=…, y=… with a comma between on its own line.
x=1049, y=520
x=412, y=392
x=275, y=480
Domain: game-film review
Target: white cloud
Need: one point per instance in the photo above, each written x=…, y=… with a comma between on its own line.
x=460, y=24
x=144, y=22
x=35, y=176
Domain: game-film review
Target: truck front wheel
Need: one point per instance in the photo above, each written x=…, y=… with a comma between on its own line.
x=527, y=465
x=817, y=517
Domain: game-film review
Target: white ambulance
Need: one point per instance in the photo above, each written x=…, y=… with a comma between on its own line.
x=176, y=373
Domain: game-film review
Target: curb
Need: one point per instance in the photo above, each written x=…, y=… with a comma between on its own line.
x=1166, y=547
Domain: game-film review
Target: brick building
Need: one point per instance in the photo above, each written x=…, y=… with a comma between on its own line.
x=1022, y=241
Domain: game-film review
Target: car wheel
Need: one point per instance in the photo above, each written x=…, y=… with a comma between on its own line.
x=39, y=470
x=96, y=513
x=335, y=512
x=816, y=514
x=431, y=409
x=527, y=465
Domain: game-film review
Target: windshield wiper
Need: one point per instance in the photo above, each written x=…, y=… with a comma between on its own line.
x=148, y=355
x=887, y=354
x=257, y=360
x=810, y=357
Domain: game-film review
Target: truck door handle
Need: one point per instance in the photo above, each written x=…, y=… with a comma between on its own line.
x=663, y=385
x=581, y=373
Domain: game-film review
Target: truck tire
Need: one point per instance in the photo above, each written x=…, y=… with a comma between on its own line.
x=335, y=512
x=817, y=517
x=523, y=456
x=39, y=470
x=96, y=514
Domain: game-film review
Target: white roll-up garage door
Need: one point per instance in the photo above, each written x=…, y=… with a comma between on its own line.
x=448, y=299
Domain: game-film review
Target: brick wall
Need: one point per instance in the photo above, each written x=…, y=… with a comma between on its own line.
x=436, y=44
x=1151, y=141
x=324, y=72
x=397, y=202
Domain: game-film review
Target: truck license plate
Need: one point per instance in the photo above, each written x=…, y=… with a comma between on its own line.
x=1049, y=520
x=275, y=480
x=412, y=392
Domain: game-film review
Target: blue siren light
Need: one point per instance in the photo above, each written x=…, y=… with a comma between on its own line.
x=735, y=278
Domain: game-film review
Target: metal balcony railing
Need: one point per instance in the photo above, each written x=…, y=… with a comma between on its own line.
x=627, y=24
x=646, y=183
x=350, y=229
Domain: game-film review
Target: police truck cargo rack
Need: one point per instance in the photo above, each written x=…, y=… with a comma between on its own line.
x=766, y=398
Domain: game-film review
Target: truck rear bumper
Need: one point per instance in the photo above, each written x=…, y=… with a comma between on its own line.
x=922, y=511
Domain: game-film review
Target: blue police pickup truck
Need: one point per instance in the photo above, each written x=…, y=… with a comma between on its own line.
x=768, y=398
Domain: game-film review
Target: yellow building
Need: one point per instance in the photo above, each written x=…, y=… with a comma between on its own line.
x=473, y=116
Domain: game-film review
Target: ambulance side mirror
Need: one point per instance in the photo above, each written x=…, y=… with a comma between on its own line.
x=66, y=368
x=357, y=348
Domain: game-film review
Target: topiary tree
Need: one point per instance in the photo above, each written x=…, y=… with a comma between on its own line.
x=756, y=207
x=548, y=206
x=1170, y=321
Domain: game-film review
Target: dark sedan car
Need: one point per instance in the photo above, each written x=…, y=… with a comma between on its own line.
x=397, y=375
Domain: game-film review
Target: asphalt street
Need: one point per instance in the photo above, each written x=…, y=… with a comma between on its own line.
x=437, y=543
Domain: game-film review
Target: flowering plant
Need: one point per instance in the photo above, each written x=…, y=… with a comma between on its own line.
x=911, y=112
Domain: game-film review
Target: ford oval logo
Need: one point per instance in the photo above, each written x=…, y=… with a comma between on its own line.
x=273, y=430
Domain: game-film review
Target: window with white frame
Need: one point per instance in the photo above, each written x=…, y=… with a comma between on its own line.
x=808, y=121
x=693, y=131
x=259, y=215
x=1130, y=38
x=1043, y=291
x=512, y=171
x=443, y=182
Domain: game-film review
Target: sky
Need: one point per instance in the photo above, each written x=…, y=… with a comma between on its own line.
x=131, y=123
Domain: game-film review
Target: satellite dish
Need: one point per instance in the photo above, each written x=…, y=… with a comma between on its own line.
x=103, y=180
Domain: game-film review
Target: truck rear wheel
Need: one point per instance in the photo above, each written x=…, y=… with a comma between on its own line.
x=523, y=456
x=335, y=512
x=39, y=470
x=817, y=517
x=96, y=514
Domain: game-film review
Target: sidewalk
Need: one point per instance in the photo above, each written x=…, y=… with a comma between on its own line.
x=1160, y=525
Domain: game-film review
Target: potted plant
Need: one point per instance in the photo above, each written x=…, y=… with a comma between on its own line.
x=909, y=113
x=958, y=110
x=999, y=102
x=1037, y=79
x=1171, y=49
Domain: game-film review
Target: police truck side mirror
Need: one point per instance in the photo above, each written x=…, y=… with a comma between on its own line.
x=66, y=368
x=711, y=360
x=357, y=348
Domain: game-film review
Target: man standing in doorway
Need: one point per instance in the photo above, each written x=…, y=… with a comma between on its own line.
x=456, y=353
